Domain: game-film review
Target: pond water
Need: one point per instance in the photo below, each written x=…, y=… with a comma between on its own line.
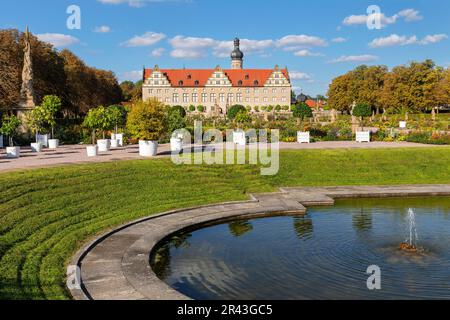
x=322, y=255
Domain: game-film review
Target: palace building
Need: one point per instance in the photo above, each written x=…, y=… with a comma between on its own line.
x=218, y=89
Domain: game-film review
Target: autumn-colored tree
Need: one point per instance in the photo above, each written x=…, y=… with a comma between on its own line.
x=147, y=120
x=411, y=88
x=442, y=90
x=54, y=73
x=340, y=96
x=127, y=88
x=10, y=54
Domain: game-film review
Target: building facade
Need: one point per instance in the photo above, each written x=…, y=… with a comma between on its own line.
x=218, y=89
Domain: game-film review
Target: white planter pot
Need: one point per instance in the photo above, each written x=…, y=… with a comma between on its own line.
x=12, y=152
x=1, y=141
x=148, y=148
x=114, y=143
x=176, y=144
x=402, y=124
x=36, y=147
x=53, y=144
x=363, y=136
x=239, y=138
x=303, y=137
x=92, y=151
x=104, y=145
x=43, y=139
x=118, y=136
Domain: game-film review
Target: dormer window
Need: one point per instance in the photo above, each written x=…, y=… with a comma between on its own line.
x=180, y=83
x=247, y=77
x=189, y=77
x=240, y=83
x=256, y=83
x=197, y=83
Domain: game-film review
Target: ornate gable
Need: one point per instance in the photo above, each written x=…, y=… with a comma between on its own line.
x=157, y=79
x=218, y=79
x=277, y=79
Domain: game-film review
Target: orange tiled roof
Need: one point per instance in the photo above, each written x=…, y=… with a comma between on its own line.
x=190, y=77
x=311, y=103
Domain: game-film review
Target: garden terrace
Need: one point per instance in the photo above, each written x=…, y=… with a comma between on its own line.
x=48, y=214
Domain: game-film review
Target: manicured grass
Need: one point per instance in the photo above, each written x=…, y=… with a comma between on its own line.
x=48, y=214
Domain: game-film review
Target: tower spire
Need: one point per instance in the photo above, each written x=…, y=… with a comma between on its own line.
x=237, y=57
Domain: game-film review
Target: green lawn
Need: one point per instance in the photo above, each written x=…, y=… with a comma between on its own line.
x=48, y=214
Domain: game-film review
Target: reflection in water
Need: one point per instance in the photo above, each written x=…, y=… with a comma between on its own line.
x=239, y=228
x=264, y=259
x=362, y=221
x=162, y=257
x=303, y=227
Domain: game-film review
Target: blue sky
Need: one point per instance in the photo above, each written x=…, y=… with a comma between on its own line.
x=317, y=40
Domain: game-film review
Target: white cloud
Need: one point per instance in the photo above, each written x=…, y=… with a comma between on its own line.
x=196, y=47
x=58, y=40
x=298, y=75
x=360, y=58
x=157, y=53
x=102, y=29
x=339, y=40
x=393, y=40
x=300, y=41
x=147, y=39
x=433, y=39
x=134, y=75
x=138, y=3
x=307, y=53
x=188, y=54
x=396, y=40
x=408, y=15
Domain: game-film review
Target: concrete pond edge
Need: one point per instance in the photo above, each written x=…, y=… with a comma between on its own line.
x=115, y=266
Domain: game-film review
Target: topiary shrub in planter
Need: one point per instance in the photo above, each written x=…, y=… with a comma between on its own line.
x=37, y=120
x=93, y=121
x=50, y=107
x=10, y=125
x=302, y=111
x=191, y=108
x=118, y=117
x=176, y=121
x=278, y=108
x=362, y=110
x=234, y=110
x=147, y=122
x=201, y=109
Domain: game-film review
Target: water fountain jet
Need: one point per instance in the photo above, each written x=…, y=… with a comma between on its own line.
x=410, y=245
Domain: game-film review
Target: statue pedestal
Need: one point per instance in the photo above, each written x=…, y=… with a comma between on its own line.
x=21, y=111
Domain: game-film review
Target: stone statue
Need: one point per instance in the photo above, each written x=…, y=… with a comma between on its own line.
x=27, y=92
x=433, y=114
x=333, y=115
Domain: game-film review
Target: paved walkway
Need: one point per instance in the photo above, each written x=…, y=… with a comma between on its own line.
x=75, y=154
x=116, y=266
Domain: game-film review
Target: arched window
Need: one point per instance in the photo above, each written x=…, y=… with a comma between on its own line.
x=189, y=77
x=197, y=83
x=256, y=83
x=247, y=77
x=240, y=83
x=180, y=83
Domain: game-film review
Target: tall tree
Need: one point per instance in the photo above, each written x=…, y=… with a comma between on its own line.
x=340, y=96
x=442, y=90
